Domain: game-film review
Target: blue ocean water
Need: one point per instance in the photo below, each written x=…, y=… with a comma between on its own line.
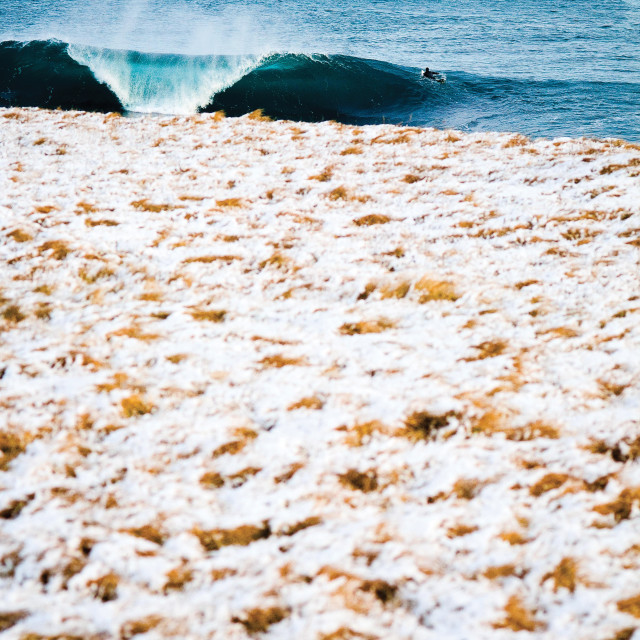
x=539, y=67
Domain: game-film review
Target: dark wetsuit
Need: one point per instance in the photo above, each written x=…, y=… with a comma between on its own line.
x=427, y=73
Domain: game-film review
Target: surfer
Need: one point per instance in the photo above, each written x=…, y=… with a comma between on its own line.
x=427, y=73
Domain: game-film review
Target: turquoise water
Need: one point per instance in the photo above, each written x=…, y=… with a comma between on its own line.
x=541, y=68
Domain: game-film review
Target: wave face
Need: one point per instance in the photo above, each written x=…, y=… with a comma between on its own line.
x=42, y=74
x=162, y=83
x=309, y=88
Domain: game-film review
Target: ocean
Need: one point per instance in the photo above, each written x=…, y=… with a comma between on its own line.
x=538, y=67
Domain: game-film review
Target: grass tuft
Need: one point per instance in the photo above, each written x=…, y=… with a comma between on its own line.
x=435, y=290
x=145, y=205
x=177, y=579
x=622, y=506
x=209, y=315
x=212, y=480
x=138, y=627
x=548, y=483
x=371, y=219
x=135, y=406
x=59, y=249
x=148, y=532
x=518, y=617
x=278, y=361
x=13, y=314
x=210, y=259
x=20, y=236
x=105, y=588
x=367, y=326
x=312, y=403
x=259, y=620
x=258, y=116
x=9, y=619
x=11, y=446
x=242, y=536
x=357, y=480
x=422, y=425
x=630, y=606
x=291, y=530
x=564, y=576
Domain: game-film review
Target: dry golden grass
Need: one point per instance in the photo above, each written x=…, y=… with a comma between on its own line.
x=500, y=571
x=135, y=332
x=325, y=176
x=459, y=530
x=138, y=627
x=91, y=277
x=291, y=530
x=9, y=619
x=489, y=349
x=221, y=574
x=277, y=260
x=11, y=446
x=312, y=403
x=209, y=315
x=357, y=480
x=212, y=480
x=238, y=478
x=278, y=361
x=148, y=532
x=549, y=482
x=514, y=538
x=518, y=617
x=431, y=289
x=622, y=506
x=258, y=116
x=105, y=588
x=371, y=219
x=14, y=508
x=339, y=193
x=259, y=620
x=395, y=291
x=134, y=406
x=177, y=579
x=59, y=249
x=516, y=141
x=13, y=314
x=466, y=488
x=400, y=139
x=145, y=205
x=362, y=432
x=43, y=311
x=20, y=236
x=423, y=425
x=230, y=203
x=368, y=290
x=630, y=606
x=89, y=222
x=351, y=151
x=367, y=326
x=214, y=539
x=564, y=576
x=532, y=431
x=44, y=289
x=289, y=473
x=384, y=591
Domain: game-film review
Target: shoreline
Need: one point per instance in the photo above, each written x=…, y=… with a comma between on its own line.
x=316, y=380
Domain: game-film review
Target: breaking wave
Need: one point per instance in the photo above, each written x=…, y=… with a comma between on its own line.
x=54, y=74
x=310, y=88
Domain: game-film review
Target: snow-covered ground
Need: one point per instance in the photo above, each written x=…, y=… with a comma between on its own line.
x=316, y=381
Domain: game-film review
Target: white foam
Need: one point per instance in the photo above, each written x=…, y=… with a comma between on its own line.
x=169, y=84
